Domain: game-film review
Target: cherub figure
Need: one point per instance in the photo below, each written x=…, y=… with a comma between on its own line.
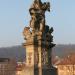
x=27, y=33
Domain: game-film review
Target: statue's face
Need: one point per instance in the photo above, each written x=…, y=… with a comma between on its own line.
x=36, y=5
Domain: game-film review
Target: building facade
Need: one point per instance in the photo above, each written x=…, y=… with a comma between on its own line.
x=67, y=65
x=7, y=66
x=66, y=69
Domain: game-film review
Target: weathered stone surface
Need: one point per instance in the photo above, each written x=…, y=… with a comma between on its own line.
x=39, y=40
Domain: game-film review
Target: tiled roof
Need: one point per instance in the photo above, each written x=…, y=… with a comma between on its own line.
x=69, y=60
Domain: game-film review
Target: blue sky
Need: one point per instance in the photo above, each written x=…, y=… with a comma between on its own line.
x=14, y=16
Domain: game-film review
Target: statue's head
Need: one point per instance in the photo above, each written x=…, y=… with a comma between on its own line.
x=37, y=1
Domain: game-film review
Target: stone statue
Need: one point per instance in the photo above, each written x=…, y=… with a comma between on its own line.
x=38, y=41
x=37, y=12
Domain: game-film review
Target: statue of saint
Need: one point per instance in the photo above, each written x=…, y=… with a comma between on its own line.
x=37, y=12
